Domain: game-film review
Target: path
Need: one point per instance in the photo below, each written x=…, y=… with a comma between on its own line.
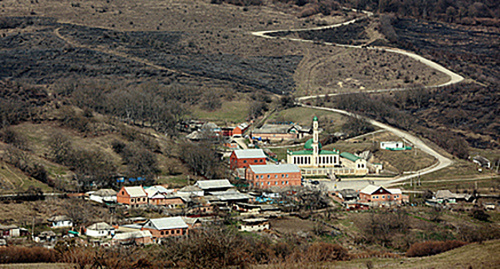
x=115, y=53
x=442, y=161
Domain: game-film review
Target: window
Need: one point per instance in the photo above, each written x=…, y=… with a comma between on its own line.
x=123, y=192
x=275, y=176
x=162, y=233
x=286, y=175
x=275, y=182
x=282, y=182
x=269, y=183
x=376, y=197
x=383, y=196
x=254, y=161
x=257, y=177
x=287, y=183
x=282, y=175
x=268, y=176
x=260, y=160
x=177, y=231
x=245, y=161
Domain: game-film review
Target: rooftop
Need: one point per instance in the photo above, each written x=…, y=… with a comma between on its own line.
x=274, y=169
x=166, y=223
x=100, y=226
x=213, y=184
x=249, y=153
x=349, y=156
x=136, y=191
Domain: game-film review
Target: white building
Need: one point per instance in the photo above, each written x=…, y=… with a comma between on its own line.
x=254, y=225
x=100, y=229
x=393, y=145
x=60, y=221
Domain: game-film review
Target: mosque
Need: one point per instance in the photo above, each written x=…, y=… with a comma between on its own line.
x=314, y=160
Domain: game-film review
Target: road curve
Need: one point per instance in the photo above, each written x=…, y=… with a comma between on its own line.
x=442, y=161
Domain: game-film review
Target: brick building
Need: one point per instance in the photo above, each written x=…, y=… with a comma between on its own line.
x=266, y=176
x=166, y=227
x=244, y=157
x=133, y=196
x=378, y=195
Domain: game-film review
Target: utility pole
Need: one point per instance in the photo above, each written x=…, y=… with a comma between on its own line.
x=33, y=229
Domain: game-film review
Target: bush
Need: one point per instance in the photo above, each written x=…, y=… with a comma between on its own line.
x=27, y=255
x=433, y=247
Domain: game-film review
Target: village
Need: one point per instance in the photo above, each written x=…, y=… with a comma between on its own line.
x=261, y=188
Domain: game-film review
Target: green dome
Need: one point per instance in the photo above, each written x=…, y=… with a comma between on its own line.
x=315, y=118
x=308, y=144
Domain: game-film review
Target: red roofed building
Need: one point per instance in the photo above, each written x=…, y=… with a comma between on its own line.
x=133, y=196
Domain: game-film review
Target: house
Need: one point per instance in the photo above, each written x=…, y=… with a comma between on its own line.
x=103, y=196
x=446, y=196
x=229, y=196
x=394, y=145
x=132, y=196
x=133, y=237
x=279, y=132
x=166, y=227
x=247, y=208
x=192, y=223
x=12, y=231
x=378, y=195
x=190, y=190
x=245, y=157
x=100, y=229
x=237, y=131
x=254, y=225
x=213, y=185
x=60, y=221
x=160, y=196
x=481, y=161
x=266, y=176
x=347, y=195
x=46, y=236
x=3, y=243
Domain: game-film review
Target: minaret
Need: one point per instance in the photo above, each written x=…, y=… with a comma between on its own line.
x=315, y=143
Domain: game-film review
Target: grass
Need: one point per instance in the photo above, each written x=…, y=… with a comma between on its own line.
x=231, y=112
x=470, y=256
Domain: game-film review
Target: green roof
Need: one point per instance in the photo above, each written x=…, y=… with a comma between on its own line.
x=308, y=144
x=328, y=152
x=349, y=156
x=315, y=118
x=301, y=152
x=310, y=152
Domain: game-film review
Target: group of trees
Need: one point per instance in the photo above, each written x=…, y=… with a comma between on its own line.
x=92, y=167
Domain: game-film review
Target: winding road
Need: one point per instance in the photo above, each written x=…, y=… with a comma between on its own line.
x=442, y=161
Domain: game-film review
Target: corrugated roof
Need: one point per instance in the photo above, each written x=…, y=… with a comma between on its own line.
x=230, y=195
x=272, y=168
x=132, y=235
x=370, y=189
x=213, y=184
x=273, y=129
x=105, y=192
x=249, y=153
x=166, y=223
x=100, y=226
x=136, y=191
x=349, y=156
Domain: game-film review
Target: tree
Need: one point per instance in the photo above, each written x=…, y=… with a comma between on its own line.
x=201, y=158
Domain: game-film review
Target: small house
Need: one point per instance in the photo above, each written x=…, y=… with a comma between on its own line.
x=60, y=221
x=481, y=161
x=100, y=229
x=133, y=196
x=133, y=237
x=378, y=195
x=254, y=225
x=103, y=196
x=166, y=227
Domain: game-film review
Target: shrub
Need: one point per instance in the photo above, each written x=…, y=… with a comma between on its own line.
x=16, y=254
x=433, y=247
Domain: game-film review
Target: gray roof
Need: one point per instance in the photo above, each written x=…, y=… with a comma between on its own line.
x=213, y=184
x=8, y=227
x=272, y=168
x=273, y=129
x=190, y=188
x=59, y=218
x=166, y=223
x=230, y=195
x=100, y=226
x=132, y=235
x=105, y=192
x=445, y=194
x=249, y=153
x=348, y=193
x=137, y=191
